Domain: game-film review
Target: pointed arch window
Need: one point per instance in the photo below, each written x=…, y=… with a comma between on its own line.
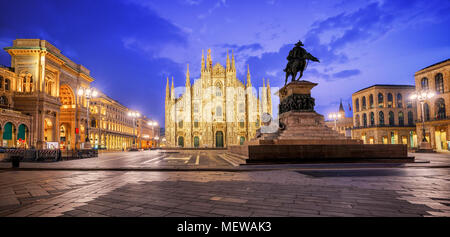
x=218, y=89
x=357, y=121
x=357, y=105
x=219, y=111
x=241, y=123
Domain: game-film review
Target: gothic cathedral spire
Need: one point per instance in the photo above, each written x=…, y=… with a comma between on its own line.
x=228, y=62
x=203, y=61
x=172, y=91
x=269, y=98
x=167, y=90
x=249, y=82
x=233, y=66
x=209, y=60
x=188, y=82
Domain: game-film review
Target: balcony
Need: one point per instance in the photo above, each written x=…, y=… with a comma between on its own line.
x=385, y=126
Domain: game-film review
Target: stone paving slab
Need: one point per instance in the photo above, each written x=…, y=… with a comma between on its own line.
x=264, y=193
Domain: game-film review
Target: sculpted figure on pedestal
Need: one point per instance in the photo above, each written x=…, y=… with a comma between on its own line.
x=298, y=59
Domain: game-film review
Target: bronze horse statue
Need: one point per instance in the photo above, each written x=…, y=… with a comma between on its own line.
x=298, y=59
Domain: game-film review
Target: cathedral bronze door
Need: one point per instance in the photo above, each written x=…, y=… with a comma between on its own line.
x=219, y=139
x=196, y=142
x=180, y=141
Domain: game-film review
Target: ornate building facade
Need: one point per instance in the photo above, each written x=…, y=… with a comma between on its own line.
x=40, y=105
x=435, y=78
x=384, y=114
x=217, y=110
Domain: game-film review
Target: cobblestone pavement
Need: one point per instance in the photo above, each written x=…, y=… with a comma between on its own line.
x=417, y=189
x=318, y=192
x=200, y=159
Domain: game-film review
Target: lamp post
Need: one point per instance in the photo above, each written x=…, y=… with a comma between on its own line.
x=422, y=96
x=334, y=116
x=134, y=115
x=87, y=93
x=153, y=124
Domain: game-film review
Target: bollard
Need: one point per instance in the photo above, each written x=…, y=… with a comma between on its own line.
x=15, y=161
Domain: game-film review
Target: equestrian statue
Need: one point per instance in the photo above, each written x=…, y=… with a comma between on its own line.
x=298, y=59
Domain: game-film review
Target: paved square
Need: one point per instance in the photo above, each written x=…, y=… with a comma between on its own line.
x=420, y=189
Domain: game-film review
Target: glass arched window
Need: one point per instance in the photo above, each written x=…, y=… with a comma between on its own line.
x=365, y=120
x=241, y=140
x=391, y=118
x=390, y=100
x=381, y=118
x=357, y=121
x=440, y=108
x=410, y=118
x=372, y=119
x=218, y=89
x=380, y=100
x=426, y=110
x=241, y=123
x=399, y=101
x=195, y=123
x=363, y=103
x=219, y=111
x=3, y=101
x=401, y=119
x=371, y=101
x=1, y=82
x=241, y=108
x=180, y=124
x=424, y=83
x=195, y=108
x=7, y=82
x=439, y=81
x=357, y=105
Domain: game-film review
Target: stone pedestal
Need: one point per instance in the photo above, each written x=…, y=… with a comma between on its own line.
x=425, y=147
x=303, y=136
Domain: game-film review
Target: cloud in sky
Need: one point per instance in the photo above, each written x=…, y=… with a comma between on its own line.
x=346, y=73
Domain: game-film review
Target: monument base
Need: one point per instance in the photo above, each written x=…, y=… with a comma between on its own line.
x=304, y=137
x=425, y=147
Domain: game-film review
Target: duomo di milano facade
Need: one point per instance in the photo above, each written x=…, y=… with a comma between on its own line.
x=217, y=110
x=39, y=104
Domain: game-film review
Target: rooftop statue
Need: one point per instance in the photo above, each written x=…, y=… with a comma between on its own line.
x=298, y=59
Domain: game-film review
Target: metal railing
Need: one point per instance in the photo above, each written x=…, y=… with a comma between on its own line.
x=48, y=155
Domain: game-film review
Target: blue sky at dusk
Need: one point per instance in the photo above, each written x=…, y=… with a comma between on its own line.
x=131, y=46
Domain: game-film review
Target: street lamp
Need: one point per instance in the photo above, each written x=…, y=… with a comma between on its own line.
x=422, y=96
x=134, y=115
x=87, y=93
x=334, y=116
x=153, y=124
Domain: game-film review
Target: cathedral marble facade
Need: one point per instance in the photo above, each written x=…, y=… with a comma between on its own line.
x=217, y=110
